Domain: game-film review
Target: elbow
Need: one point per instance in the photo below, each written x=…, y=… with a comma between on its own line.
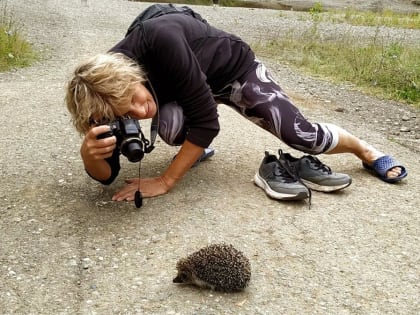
x=203, y=137
x=109, y=180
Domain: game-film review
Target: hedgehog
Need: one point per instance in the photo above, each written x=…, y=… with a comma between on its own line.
x=219, y=267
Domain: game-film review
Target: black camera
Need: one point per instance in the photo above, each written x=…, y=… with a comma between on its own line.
x=130, y=139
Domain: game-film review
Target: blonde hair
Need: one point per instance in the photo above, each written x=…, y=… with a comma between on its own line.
x=102, y=86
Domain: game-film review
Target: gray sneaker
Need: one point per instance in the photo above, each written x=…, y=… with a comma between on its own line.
x=278, y=182
x=315, y=174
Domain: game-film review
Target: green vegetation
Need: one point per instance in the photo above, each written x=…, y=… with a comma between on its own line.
x=386, y=18
x=15, y=52
x=369, y=18
x=379, y=66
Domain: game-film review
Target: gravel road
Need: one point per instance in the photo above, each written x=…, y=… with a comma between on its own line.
x=67, y=249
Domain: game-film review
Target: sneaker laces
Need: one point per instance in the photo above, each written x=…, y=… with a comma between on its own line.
x=284, y=170
x=292, y=173
x=318, y=165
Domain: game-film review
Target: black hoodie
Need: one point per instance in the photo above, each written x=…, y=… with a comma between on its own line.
x=188, y=61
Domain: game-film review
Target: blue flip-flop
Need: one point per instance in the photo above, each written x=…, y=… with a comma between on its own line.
x=382, y=165
x=207, y=152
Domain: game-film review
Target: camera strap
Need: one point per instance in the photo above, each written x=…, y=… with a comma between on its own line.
x=154, y=127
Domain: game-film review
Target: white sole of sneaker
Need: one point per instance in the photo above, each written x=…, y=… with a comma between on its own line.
x=326, y=189
x=276, y=195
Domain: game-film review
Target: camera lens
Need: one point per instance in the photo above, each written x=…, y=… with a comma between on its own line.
x=132, y=150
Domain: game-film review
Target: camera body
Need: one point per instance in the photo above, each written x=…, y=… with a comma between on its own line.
x=130, y=139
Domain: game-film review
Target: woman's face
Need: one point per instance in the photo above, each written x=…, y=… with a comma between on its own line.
x=142, y=105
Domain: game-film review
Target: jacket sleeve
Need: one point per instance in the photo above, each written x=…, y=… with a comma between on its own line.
x=114, y=163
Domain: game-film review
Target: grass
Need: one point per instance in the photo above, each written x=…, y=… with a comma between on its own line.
x=386, y=18
x=368, y=18
x=354, y=17
x=384, y=68
x=15, y=51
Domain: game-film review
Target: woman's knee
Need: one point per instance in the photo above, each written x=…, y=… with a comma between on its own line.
x=311, y=138
x=172, y=123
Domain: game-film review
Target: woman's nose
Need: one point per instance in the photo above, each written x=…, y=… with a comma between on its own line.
x=138, y=110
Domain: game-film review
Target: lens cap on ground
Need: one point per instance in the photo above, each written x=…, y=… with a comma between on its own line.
x=138, y=199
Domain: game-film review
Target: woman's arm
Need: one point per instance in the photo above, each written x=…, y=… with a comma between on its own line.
x=94, y=152
x=186, y=157
x=152, y=187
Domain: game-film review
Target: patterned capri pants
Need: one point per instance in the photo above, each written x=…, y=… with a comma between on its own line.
x=260, y=99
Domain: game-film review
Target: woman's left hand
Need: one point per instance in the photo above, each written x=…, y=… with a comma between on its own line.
x=156, y=186
x=149, y=187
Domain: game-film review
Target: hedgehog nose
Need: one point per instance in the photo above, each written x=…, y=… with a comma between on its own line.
x=178, y=279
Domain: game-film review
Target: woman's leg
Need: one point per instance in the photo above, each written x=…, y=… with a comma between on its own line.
x=348, y=143
x=172, y=127
x=260, y=99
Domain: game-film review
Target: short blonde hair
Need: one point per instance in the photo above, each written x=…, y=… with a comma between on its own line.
x=103, y=86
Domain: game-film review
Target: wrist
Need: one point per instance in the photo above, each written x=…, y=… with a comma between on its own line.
x=168, y=182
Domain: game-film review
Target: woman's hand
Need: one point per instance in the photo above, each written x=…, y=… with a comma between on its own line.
x=94, y=151
x=97, y=149
x=149, y=187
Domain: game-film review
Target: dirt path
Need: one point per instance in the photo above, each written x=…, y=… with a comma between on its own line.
x=67, y=249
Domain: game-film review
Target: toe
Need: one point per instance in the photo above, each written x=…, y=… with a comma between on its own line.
x=394, y=172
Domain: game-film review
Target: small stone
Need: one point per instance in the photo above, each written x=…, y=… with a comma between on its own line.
x=86, y=263
x=340, y=110
x=405, y=118
x=405, y=129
